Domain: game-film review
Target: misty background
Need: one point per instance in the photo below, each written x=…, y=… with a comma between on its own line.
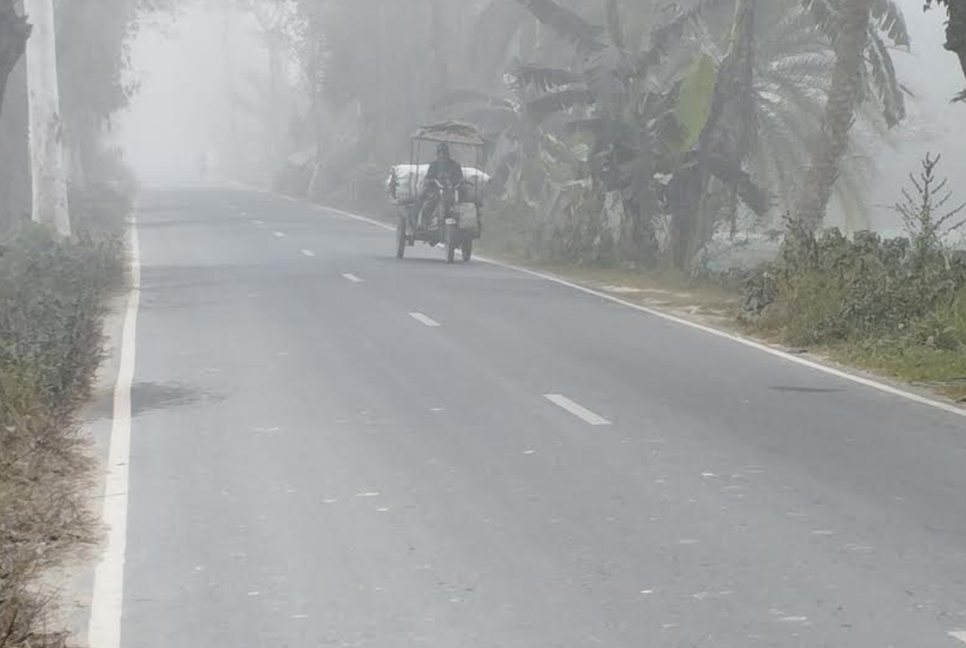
x=192, y=69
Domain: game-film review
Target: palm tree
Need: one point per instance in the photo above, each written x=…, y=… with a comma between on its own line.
x=845, y=93
x=771, y=84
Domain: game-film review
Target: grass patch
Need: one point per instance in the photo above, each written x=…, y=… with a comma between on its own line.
x=936, y=369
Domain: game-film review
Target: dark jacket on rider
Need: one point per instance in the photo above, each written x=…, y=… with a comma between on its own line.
x=446, y=171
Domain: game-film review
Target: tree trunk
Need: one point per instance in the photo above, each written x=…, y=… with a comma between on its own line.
x=614, y=26
x=14, y=32
x=843, y=97
x=385, y=149
x=729, y=132
x=316, y=75
x=276, y=112
x=14, y=149
x=48, y=175
x=313, y=191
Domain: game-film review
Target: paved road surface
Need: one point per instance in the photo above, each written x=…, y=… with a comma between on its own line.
x=335, y=448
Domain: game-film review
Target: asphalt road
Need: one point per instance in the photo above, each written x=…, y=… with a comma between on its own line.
x=331, y=447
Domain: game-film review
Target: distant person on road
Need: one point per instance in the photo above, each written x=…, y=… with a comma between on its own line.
x=444, y=170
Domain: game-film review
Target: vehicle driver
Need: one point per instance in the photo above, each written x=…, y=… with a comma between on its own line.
x=445, y=170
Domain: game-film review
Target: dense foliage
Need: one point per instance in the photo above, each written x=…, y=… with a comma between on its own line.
x=658, y=129
x=908, y=291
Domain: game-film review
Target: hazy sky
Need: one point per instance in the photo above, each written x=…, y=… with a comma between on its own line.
x=181, y=108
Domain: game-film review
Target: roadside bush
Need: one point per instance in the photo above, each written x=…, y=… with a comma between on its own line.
x=52, y=297
x=571, y=231
x=828, y=289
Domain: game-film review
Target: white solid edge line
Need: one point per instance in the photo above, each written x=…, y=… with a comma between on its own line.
x=838, y=373
x=104, y=630
x=958, y=634
x=351, y=277
x=308, y=253
x=423, y=319
x=895, y=391
x=576, y=409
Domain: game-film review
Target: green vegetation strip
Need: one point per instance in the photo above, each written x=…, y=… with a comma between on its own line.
x=52, y=301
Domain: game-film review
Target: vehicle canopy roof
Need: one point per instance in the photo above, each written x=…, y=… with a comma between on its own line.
x=450, y=132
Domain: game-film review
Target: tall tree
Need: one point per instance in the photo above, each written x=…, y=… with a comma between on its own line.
x=14, y=32
x=48, y=170
x=955, y=31
x=845, y=93
x=729, y=133
x=92, y=57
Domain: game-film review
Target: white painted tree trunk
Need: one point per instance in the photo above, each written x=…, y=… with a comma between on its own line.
x=48, y=169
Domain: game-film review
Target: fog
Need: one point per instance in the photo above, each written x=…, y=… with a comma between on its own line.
x=194, y=67
x=181, y=110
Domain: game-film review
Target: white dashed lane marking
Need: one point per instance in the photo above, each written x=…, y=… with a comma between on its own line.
x=959, y=634
x=423, y=319
x=278, y=234
x=579, y=411
x=308, y=253
x=351, y=277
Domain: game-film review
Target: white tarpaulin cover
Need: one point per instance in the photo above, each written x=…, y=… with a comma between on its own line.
x=404, y=186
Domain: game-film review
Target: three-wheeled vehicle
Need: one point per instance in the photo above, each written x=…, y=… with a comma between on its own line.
x=431, y=212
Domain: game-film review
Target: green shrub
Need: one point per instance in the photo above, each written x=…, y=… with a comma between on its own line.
x=828, y=289
x=831, y=289
x=897, y=305
x=572, y=233
x=945, y=328
x=52, y=297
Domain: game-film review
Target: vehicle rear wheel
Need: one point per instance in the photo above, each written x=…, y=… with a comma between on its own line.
x=401, y=239
x=450, y=237
x=467, y=249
